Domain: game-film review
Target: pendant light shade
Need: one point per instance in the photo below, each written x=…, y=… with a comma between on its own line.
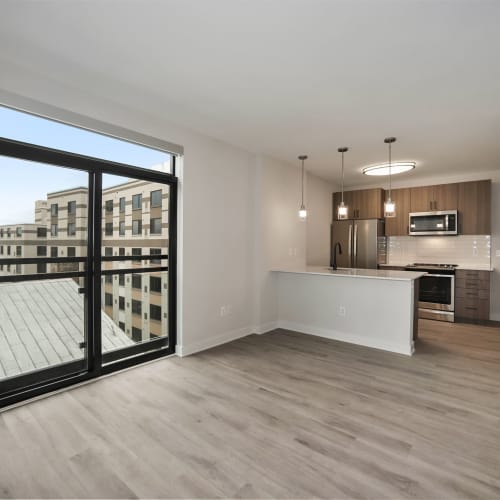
x=342, y=209
x=302, y=209
x=389, y=205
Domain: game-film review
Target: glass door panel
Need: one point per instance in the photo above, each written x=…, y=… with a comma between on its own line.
x=43, y=255
x=135, y=278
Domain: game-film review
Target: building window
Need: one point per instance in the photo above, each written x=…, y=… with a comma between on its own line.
x=155, y=251
x=1, y=250
x=71, y=229
x=136, y=307
x=108, y=299
x=8, y=232
x=155, y=284
x=136, y=251
x=136, y=201
x=155, y=227
x=54, y=209
x=136, y=281
x=19, y=231
x=53, y=252
x=136, y=334
x=53, y=230
x=121, y=325
x=155, y=312
x=121, y=279
x=71, y=251
x=108, y=278
x=109, y=206
x=121, y=252
x=121, y=303
x=18, y=269
x=122, y=205
x=8, y=249
x=1, y=233
x=108, y=252
x=156, y=198
x=136, y=227
x=41, y=232
x=121, y=231
x=71, y=207
x=41, y=251
x=41, y=267
x=19, y=251
x=109, y=229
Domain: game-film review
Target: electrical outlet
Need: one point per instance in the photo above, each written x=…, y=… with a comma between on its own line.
x=342, y=311
x=498, y=253
x=222, y=311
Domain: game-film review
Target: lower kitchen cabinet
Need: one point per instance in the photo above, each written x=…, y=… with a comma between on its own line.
x=472, y=295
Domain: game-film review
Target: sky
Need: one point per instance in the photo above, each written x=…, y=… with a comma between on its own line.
x=23, y=182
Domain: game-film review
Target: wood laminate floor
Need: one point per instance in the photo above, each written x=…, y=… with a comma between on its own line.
x=282, y=415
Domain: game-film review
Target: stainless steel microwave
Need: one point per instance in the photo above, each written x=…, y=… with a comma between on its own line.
x=444, y=222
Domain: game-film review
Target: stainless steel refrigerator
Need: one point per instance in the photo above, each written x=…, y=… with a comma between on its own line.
x=363, y=243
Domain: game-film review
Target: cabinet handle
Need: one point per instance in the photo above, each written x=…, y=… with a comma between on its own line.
x=472, y=308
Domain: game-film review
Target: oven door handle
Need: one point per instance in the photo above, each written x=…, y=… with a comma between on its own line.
x=441, y=275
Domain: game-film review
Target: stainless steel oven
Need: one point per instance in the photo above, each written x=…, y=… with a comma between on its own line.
x=436, y=298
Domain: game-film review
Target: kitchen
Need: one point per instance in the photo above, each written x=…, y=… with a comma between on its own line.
x=444, y=230
x=441, y=230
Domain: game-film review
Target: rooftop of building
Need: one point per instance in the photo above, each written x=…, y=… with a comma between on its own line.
x=41, y=325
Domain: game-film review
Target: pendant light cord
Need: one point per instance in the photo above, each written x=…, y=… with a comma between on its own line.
x=302, y=182
x=390, y=171
x=342, y=177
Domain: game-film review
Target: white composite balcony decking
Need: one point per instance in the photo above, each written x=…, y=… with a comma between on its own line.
x=42, y=325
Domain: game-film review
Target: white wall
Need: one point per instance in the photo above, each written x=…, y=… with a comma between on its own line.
x=319, y=218
x=238, y=213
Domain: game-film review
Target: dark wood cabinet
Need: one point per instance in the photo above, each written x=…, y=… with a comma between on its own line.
x=474, y=207
x=362, y=204
x=398, y=226
x=472, y=295
x=432, y=198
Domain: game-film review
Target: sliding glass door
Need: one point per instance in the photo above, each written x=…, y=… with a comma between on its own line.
x=87, y=268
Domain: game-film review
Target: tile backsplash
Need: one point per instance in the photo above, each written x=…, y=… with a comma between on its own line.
x=462, y=250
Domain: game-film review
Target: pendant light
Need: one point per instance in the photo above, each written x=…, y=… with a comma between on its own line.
x=342, y=210
x=389, y=205
x=302, y=210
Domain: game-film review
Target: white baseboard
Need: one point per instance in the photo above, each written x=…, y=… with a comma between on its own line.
x=213, y=341
x=495, y=317
x=347, y=337
x=265, y=327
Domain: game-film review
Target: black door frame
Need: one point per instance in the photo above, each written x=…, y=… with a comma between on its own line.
x=50, y=379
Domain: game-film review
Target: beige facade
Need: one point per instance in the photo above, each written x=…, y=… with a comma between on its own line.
x=22, y=241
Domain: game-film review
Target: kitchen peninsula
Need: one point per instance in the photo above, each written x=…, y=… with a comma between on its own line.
x=370, y=307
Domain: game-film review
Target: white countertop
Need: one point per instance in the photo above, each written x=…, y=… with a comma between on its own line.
x=355, y=273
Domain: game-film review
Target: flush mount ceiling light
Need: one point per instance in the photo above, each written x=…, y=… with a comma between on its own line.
x=302, y=209
x=393, y=168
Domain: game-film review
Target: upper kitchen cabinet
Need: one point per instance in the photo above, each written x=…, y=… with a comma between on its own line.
x=398, y=226
x=432, y=198
x=474, y=207
x=362, y=204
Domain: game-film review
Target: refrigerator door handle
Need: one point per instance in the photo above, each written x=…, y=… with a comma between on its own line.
x=355, y=245
x=349, y=251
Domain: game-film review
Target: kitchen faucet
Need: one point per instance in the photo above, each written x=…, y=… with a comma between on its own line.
x=334, y=262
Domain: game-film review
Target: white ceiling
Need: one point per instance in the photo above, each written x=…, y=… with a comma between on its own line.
x=285, y=77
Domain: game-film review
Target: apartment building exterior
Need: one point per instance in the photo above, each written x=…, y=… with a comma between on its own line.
x=22, y=240
x=134, y=223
